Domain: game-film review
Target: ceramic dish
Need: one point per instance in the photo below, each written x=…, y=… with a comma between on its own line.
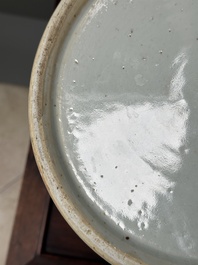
x=114, y=122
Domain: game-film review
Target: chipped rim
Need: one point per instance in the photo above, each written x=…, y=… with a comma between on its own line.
x=63, y=202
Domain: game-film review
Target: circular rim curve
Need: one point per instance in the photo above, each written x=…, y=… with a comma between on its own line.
x=46, y=167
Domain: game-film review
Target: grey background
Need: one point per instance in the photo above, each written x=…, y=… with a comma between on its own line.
x=21, y=26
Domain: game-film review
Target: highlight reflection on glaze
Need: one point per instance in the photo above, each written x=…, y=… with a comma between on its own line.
x=128, y=124
x=136, y=149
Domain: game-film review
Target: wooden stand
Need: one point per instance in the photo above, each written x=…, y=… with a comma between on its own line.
x=40, y=234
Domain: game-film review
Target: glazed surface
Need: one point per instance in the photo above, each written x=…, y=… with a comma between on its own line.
x=126, y=122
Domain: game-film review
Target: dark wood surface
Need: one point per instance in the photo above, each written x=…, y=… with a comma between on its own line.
x=67, y=243
x=57, y=260
x=26, y=240
x=40, y=234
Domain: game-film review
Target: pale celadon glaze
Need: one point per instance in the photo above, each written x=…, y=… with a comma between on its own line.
x=121, y=118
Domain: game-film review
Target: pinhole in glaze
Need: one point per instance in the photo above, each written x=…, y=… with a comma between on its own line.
x=119, y=126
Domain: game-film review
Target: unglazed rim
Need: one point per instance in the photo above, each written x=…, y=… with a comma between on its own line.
x=63, y=202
